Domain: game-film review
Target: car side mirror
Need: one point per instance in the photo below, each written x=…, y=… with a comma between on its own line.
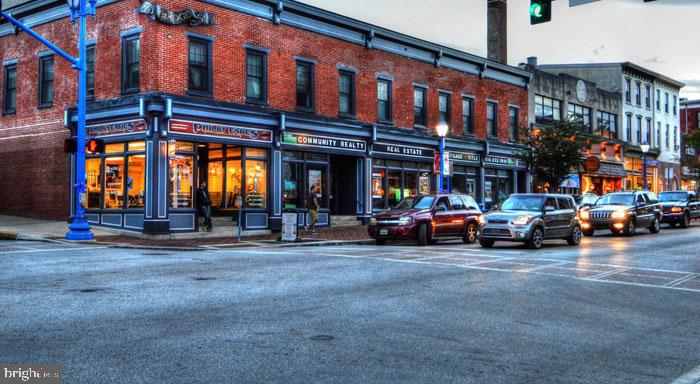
x=549, y=208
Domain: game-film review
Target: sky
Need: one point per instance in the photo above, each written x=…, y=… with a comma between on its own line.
x=663, y=36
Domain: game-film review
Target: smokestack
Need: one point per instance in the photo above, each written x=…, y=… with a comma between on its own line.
x=497, y=40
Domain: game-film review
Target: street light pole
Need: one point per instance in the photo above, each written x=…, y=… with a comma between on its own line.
x=79, y=230
x=645, y=149
x=442, y=130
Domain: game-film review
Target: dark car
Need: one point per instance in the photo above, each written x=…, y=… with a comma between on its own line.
x=623, y=212
x=586, y=200
x=679, y=207
x=426, y=218
x=532, y=218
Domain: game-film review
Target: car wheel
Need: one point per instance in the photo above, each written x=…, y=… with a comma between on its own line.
x=655, y=226
x=471, y=234
x=631, y=228
x=575, y=238
x=423, y=234
x=486, y=243
x=380, y=241
x=537, y=239
x=589, y=232
x=686, y=221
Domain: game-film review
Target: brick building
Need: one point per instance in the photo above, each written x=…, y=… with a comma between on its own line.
x=271, y=99
x=690, y=121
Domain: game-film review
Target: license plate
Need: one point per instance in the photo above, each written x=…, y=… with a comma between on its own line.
x=383, y=232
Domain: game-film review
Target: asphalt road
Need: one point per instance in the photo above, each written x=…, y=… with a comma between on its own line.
x=614, y=310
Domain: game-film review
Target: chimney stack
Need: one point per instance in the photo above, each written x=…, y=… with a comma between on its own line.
x=497, y=34
x=532, y=61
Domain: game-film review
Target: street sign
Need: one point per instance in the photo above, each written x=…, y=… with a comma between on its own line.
x=573, y=3
x=652, y=163
x=446, y=163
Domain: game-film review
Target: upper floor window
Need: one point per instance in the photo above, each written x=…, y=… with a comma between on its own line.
x=255, y=76
x=491, y=119
x=513, y=124
x=46, y=81
x=648, y=132
x=305, y=85
x=467, y=115
x=384, y=100
x=628, y=127
x=199, y=67
x=346, y=89
x=675, y=138
x=580, y=115
x=9, y=99
x=668, y=136
x=666, y=102
x=131, y=63
x=638, y=93
x=444, y=107
x=658, y=100
x=547, y=109
x=647, y=96
x=658, y=135
x=607, y=124
x=628, y=90
x=639, y=130
x=90, y=72
x=675, y=102
x=420, y=102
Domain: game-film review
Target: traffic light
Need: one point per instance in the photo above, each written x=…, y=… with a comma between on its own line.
x=540, y=11
x=70, y=145
x=96, y=146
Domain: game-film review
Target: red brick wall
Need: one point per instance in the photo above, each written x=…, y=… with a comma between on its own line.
x=34, y=170
x=692, y=119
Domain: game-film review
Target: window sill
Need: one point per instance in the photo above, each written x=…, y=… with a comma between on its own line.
x=199, y=93
x=305, y=109
x=45, y=106
x=262, y=103
x=130, y=91
x=386, y=122
x=7, y=113
x=419, y=126
x=347, y=116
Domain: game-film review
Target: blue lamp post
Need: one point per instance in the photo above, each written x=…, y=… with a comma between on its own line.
x=442, y=130
x=81, y=9
x=645, y=149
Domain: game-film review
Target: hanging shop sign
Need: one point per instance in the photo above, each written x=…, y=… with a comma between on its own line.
x=188, y=16
x=591, y=164
x=219, y=130
x=465, y=156
x=117, y=128
x=496, y=160
x=402, y=150
x=323, y=142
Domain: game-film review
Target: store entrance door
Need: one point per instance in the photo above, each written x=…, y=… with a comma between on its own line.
x=343, y=198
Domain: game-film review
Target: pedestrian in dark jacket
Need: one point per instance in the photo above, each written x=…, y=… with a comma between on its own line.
x=204, y=202
x=312, y=206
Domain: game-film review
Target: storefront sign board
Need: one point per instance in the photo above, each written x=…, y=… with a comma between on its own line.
x=402, y=150
x=324, y=142
x=591, y=164
x=117, y=128
x=465, y=156
x=219, y=130
x=289, y=226
x=499, y=160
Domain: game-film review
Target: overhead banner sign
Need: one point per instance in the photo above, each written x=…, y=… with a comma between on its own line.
x=189, y=16
x=402, y=150
x=219, y=130
x=117, y=128
x=323, y=142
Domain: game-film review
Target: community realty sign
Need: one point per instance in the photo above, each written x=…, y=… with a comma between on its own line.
x=323, y=142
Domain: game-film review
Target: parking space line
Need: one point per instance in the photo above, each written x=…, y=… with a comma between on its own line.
x=608, y=273
x=682, y=280
x=546, y=266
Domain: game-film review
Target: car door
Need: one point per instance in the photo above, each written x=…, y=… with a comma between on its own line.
x=642, y=210
x=442, y=217
x=550, y=218
x=567, y=212
x=459, y=215
x=693, y=205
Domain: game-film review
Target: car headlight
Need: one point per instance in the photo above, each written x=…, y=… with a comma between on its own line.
x=584, y=215
x=482, y=219
x=619, y=214
x=522, y=220
x=407, y=220
x=676, y=210
x=373, y=221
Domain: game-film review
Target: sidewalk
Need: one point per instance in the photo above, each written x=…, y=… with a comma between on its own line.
x=22, y=228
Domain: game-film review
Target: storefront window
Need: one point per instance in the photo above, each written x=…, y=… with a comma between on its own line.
x=256, y=184
x=293, y=176
x=410, y=184
x=136, y=181
x=137, y=146
x=94, y=183
x=317, y=177
x=378, y=188
x=181, y=175
x=394, y=187
x=215, y=180
x=114, y=181
x=114, y=148
x=234, y=185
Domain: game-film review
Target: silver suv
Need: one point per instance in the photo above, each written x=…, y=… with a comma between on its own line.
x=531, y=219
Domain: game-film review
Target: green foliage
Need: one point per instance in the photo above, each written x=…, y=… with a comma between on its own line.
x=555, y=151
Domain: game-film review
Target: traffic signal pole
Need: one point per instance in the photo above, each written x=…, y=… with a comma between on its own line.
x=79, y=229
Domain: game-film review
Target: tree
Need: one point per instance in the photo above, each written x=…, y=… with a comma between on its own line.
x=692, y=141
x=555, y=151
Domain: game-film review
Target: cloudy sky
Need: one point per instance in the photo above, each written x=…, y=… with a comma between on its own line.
x=663, y=36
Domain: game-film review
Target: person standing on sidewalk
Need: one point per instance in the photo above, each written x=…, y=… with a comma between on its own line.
x=204, y=202
x=312, y=206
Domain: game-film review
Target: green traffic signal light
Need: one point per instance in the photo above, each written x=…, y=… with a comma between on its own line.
x=540, y=11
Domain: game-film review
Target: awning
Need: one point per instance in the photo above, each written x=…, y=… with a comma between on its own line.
x=608, y=169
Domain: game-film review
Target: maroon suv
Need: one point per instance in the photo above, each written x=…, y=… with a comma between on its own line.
x=426, y=218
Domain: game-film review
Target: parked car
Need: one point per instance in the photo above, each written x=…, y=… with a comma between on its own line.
x=586, y=200
x=623, y=212
x=532, y=219
x=426, y=218
x=679, y=207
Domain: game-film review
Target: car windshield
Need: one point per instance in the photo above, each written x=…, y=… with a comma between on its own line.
x=589, y=199
x=616, y=199
x=422, y=202
x=673, y=196
x=523, y=203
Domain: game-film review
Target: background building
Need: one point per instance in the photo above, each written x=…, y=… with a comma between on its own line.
x=690, y=121
x=265, y=104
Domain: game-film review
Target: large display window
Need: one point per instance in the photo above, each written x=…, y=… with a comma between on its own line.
x=181, y=166
x=498, y=185
x=301, y=171
x=117, y=178
x=393, y=181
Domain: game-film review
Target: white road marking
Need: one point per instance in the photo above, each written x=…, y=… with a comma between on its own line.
x=692, y=377
x=682, y=280
x=52, y=250
x=608, y=273
x=553, y=265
